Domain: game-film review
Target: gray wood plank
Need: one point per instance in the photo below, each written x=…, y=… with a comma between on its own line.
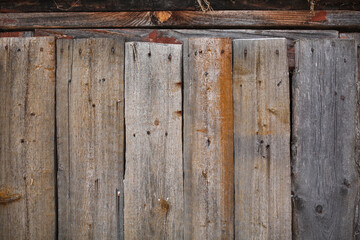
x=90, y=132
x=325, y=115
x=27, y=138
x=154, y=173
x=208, y=139
x=261, y=139
x=356, y=37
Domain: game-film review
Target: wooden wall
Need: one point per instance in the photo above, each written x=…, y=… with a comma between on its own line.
x=179, y=134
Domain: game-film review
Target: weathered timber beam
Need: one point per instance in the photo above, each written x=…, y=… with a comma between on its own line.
x=185, y=19
x=168, y=5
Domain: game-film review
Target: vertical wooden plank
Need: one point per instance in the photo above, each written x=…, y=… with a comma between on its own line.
x=356, y=37
x=326, y=180
x=262, y=139
x=90, y=131
x=154, y=174
x=208, y=139
x=27, y=141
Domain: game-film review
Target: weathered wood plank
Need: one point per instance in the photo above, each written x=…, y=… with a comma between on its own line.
x=27, y=138
x=325, y=115
x=181, y=35
x=154, y=173
x=262, y=139
x=356, y=37
x=190, y=19
x=166, y=5
x=90, y=132
x=208, y=139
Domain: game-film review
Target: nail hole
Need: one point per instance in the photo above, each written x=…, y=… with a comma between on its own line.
x=148, y=132
x=41, y=49
x=169, y=57
x=319, y=209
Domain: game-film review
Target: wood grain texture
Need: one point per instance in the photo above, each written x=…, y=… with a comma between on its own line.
x=184, y=19
x=325, y=117
x=356, y=37
x=261, y=139
x=27, y=138
x=90, y=133
x=154, y=168
x=208, y=139
x=181, y=35
x=166, y=5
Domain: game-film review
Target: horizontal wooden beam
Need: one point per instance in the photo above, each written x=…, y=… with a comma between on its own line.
x=184, y=19
x=170, y=5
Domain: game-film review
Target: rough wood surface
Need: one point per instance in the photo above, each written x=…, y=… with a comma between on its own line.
x=90, y=135
x=27, y=140
x=180, y=35
x=184, y=19
x=208, y=139
x=325, y=114
x=161, y=5
x=356, y=37
x=154, y=168
x=262, y=139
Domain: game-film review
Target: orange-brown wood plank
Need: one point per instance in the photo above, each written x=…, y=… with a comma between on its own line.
x=208, y=139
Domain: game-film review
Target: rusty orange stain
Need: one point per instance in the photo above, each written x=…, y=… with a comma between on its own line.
x=156, y=37
x=7, y=21
x=319, y=16
x=227, y=124
x=163, y=16
x=11, y=34
x=7, y=195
